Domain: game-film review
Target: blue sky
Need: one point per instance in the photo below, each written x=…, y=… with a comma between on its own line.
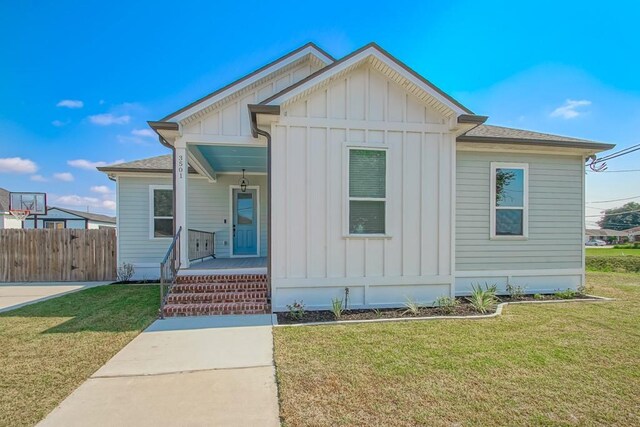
x=554, y=66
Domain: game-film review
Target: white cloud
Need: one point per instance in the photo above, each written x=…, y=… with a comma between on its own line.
x=89, y=165
x=17, y=165
x=109, y=119
x=101, y=189
x=569, y=109
x=38, y=178
x=60, y=123
x=124, y=139
x=63, y=176
x=74, y=200
x=144, y=132
x=70, y=103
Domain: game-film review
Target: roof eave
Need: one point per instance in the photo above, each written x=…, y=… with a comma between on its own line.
x=255, y=109
x=596, y=146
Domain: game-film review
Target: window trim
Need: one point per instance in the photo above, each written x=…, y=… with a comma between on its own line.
x=525, y=200
x=346, y=231
x=152, y=217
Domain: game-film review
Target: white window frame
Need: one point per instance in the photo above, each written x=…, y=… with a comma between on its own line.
x=346, y=173
x=525, y=208
x=152, y=217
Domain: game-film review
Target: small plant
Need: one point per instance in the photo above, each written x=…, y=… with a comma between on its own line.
x=566, y=294
x=483, y=300
x=538, y=297
x=378, y=313
x=516, y=291
x=125, y=272
x=413, y=308
x=296, y=310
x=337, y=308
x=446, y=304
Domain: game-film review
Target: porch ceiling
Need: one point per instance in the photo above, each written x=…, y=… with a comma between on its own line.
x=234, y=158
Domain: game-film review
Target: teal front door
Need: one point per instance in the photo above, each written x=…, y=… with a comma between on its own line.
x=245, y=223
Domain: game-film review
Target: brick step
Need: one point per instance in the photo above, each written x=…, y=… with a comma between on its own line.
x=210, y=288
x=178, y=310
x=216, y=297
x=221, y=278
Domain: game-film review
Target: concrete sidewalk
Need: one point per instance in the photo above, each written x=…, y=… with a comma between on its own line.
x=16, y=295
x=203, y=371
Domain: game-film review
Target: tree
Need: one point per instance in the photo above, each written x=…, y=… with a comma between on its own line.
x=622, y=218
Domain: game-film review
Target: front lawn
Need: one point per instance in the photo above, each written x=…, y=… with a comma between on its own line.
x=612, y=252
x=554, y=364
x=49, y=348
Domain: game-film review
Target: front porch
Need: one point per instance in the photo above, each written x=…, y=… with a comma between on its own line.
x=226, y=266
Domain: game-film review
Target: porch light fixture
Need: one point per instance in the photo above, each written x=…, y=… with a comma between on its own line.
x=243, y=182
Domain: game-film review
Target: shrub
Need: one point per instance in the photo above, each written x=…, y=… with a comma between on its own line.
x=635, y=245
x=337, y=308
x=619, y=264
x=125, y=272
x=566, y=294
x=446, y=304
x=538, y=296
x=516, y=291
x=296, y=310
x=483, y=300
x=413, y=307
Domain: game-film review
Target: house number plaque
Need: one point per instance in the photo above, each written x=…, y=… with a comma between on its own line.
x=181, y=166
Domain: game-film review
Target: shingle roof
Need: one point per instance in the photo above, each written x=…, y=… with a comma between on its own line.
x=151, y=164
x=491, y=133
x=88, y=215
x=604, y=232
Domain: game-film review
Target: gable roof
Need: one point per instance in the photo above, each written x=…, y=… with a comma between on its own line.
x=499, y=134
x=86, y=215
x=302, y=51
x=384, y=59
x=159, y=164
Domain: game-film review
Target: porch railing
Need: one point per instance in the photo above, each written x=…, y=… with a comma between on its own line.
x=169, y=268
x=201, y=244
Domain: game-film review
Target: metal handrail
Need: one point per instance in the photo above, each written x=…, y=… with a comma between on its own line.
x=202, y=244
x=169, y=268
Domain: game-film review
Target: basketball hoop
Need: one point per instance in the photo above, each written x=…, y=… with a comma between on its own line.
x=20, y=214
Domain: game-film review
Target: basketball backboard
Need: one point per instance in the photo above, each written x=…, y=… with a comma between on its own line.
x=35, y=203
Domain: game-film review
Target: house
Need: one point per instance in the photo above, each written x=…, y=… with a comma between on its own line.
x=633, y=234
x=326, y=176
x=607, y=235
x=6, y=219
x=57, y=218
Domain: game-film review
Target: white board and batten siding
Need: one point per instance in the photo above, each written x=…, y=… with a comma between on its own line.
x=314, y=259
x=551, y=257
x=230, y=117
x=208, y=207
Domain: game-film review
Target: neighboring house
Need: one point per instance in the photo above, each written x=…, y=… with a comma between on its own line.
x=361, y=175
x=614, y=236
x=633, y=233
x=57, y=218
x=6, y=219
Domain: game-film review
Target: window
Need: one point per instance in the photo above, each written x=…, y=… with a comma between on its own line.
x=367, y=191
x=56, y=225
x=161, y=212
x=509, y=200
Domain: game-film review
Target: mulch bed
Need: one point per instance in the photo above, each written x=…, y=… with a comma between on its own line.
x=464, y=308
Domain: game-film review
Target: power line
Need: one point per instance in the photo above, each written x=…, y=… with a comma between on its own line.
x=622, y=170
x=616, y=200
x=615, y=214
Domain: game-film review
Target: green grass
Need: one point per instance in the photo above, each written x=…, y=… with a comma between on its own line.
x=612, y=252
x=49, y=348
x=554, y=364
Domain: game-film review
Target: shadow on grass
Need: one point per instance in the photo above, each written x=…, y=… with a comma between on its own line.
x=109, y=308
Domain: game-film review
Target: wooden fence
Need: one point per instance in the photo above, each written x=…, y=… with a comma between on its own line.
x=65, y=255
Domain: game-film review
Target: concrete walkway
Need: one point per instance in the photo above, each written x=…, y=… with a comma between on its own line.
x=16, y=295
x=203, y=371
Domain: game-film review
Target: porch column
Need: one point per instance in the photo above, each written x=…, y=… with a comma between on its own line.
x=180, y=214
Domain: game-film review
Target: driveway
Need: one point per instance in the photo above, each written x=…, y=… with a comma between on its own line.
x=202, y=371
x=16, y=295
